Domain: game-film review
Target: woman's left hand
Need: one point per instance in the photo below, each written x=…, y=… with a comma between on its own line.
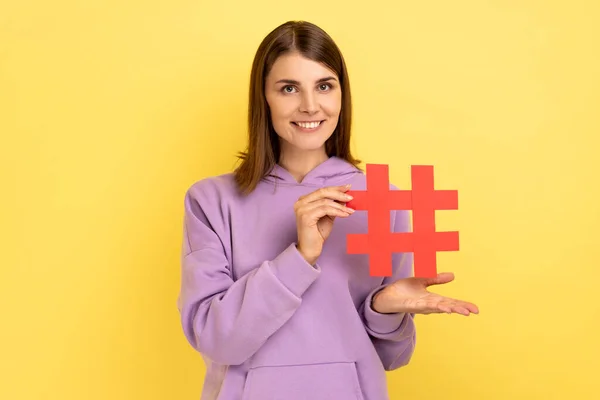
x=410, y=295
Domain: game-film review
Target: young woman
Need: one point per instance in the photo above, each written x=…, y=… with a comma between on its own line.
x=269, y=296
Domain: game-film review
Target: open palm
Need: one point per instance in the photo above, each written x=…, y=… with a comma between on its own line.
x=411, y=295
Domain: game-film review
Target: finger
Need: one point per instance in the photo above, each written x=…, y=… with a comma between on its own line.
x=461, y=307
x=465, y=306
x=461, y=310
x=324, y=202
x=313, y=216
x=435, y=304
x=440, y=279
x=330, y=192
x=445, y=308
x=471, y=307
x=320, y=212
x=448, y=306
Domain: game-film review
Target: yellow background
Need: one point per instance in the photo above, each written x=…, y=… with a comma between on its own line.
x=109, y=110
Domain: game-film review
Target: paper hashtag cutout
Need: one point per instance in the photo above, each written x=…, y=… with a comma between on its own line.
x=424, y=242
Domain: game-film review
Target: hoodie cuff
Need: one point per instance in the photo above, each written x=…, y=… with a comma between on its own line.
x=378, y=323
x=293, y=271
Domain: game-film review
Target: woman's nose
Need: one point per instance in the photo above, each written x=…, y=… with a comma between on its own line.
x=309, y=103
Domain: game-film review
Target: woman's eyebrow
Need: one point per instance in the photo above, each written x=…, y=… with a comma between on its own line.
x=293, y=82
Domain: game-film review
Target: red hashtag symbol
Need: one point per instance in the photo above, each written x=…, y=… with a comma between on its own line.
x=378, y=200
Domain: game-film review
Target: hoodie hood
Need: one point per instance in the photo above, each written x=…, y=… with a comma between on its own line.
x=331, y=172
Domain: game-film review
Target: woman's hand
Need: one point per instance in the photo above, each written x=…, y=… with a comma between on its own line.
x=315, y=213
x=410, y=295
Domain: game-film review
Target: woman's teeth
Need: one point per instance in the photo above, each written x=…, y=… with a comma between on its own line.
x=308, y=125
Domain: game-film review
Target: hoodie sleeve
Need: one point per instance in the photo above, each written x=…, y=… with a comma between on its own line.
x=227, y=320
x=393, y=335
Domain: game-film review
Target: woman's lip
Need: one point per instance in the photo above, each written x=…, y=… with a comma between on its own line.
x=308, y=129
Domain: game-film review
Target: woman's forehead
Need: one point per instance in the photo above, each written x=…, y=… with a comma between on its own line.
x=299, y=68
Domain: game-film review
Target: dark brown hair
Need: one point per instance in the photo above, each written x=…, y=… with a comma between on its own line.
x=263, y=149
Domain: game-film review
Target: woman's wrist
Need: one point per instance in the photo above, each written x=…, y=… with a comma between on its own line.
x=310, y=260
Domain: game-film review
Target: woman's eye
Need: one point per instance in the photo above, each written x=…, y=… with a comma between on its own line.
x=291, y=89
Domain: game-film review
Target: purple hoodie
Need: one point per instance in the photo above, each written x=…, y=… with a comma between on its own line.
x=267, y=323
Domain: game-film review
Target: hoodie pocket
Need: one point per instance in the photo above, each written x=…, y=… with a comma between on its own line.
x=328, y=381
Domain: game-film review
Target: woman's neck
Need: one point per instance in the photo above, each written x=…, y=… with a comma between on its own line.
x=300, y=163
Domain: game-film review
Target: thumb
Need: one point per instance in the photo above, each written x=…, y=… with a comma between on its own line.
x=440, y=279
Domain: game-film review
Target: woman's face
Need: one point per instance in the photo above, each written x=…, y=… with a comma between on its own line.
x=305, y=100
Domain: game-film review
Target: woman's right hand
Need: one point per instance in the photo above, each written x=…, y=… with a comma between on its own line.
x=315, y=213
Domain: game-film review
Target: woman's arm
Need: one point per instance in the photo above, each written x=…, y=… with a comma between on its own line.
x=393, y=335
x=227, y=320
